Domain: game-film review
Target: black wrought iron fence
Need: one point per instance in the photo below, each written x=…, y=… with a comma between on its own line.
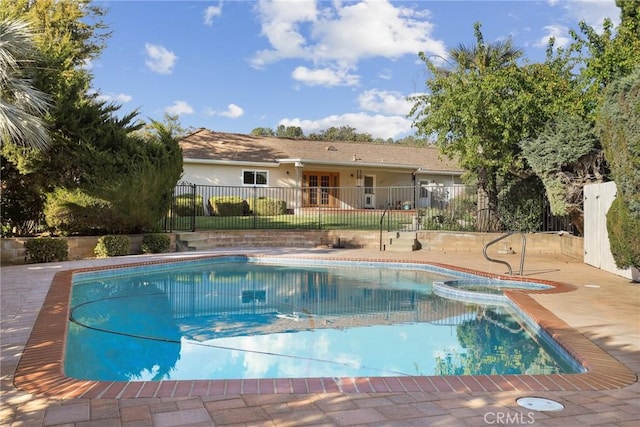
x=437, y=207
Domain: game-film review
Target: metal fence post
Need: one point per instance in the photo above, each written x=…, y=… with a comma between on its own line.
x=193, y=210
x=254, y=214
x=171, y=211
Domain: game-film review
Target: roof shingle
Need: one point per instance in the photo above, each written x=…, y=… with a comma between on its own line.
x=204, y=144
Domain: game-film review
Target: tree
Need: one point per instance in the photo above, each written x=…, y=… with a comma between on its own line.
x=125, y=178
x=22, y=106
x=170, y=124
x=481, y=57
x=478, y=112
x=610, y=54
x=619, y=129
x=261, y=131
x=342, y=133
x=68, y=34
x=148, y=170
x=283, y=131
x=126, y=188
x=566, y=156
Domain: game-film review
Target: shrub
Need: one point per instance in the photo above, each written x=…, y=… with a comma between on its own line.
x=22, y=201
x=267, y=206
x=155, y=243
x=521, y=205
x=228, y=206
x=112, y=246
x=624, y=234
x=183, y=205
x=46, y=249
x=76, y=212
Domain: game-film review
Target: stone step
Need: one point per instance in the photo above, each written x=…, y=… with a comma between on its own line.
x=211, y=240
x=400, y=241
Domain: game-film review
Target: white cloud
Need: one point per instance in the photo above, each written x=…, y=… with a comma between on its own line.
x=559, y=32
x=179, y=108
x=324, y=77
x=337, y=36
x=385, y=102
x=233, y=112
x=280, y=24
x=159, y=59
x=378, y=125
x=211, y=12
x=119, y=98
x=593, y=12
x=374, y=28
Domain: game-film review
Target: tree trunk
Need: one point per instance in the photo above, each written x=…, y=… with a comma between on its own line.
x=487, y=214
x=576, y=216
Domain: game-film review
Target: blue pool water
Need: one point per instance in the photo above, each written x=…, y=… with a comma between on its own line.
x=238, y=317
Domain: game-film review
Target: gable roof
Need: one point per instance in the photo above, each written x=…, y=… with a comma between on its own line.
x=206, y=145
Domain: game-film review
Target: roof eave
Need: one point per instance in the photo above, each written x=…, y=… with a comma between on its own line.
x=437, y=172
x=231, y=162
x=348, y=163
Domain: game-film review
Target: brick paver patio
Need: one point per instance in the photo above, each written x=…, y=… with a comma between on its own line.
x=604, y=308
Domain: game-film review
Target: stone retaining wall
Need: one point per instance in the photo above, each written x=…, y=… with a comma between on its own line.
x=13, y=251
x=82, y=247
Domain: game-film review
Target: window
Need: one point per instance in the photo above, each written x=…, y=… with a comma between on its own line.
x=254, y=296
x=254, y=177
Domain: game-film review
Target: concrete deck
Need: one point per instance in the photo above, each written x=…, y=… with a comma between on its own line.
x=608, y=315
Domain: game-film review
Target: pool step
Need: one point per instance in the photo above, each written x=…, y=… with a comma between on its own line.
x=402, y=241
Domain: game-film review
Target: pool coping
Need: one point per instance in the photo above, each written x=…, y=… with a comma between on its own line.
x=40, y=369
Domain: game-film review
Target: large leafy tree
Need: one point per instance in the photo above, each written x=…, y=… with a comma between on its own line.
x=22, y=105
x=565, y=153
x=611, y=53
x=568, y=153
x=479, y=109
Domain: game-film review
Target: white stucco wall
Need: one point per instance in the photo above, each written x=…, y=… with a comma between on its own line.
x=392, y=187
x=231, y=175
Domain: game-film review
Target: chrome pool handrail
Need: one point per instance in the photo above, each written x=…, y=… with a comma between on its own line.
x=522, y=254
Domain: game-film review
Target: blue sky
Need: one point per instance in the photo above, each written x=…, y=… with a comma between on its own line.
x=233, y=66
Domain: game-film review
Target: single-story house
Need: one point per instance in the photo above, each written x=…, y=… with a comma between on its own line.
x=331, y=174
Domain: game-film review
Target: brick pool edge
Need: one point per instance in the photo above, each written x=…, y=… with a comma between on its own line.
x=40, y=369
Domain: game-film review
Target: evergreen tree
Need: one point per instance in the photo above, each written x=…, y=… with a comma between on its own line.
x=124, y=179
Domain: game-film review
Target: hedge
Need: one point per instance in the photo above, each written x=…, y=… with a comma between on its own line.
x=228, y=206
x=46, y=249
x=111, y=245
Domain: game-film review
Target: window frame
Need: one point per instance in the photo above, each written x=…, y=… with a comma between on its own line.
x=255, y=173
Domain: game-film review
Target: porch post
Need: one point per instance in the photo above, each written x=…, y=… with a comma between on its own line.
x=298, y=197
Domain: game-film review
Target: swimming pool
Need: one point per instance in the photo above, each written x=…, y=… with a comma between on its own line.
x=243, y=317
